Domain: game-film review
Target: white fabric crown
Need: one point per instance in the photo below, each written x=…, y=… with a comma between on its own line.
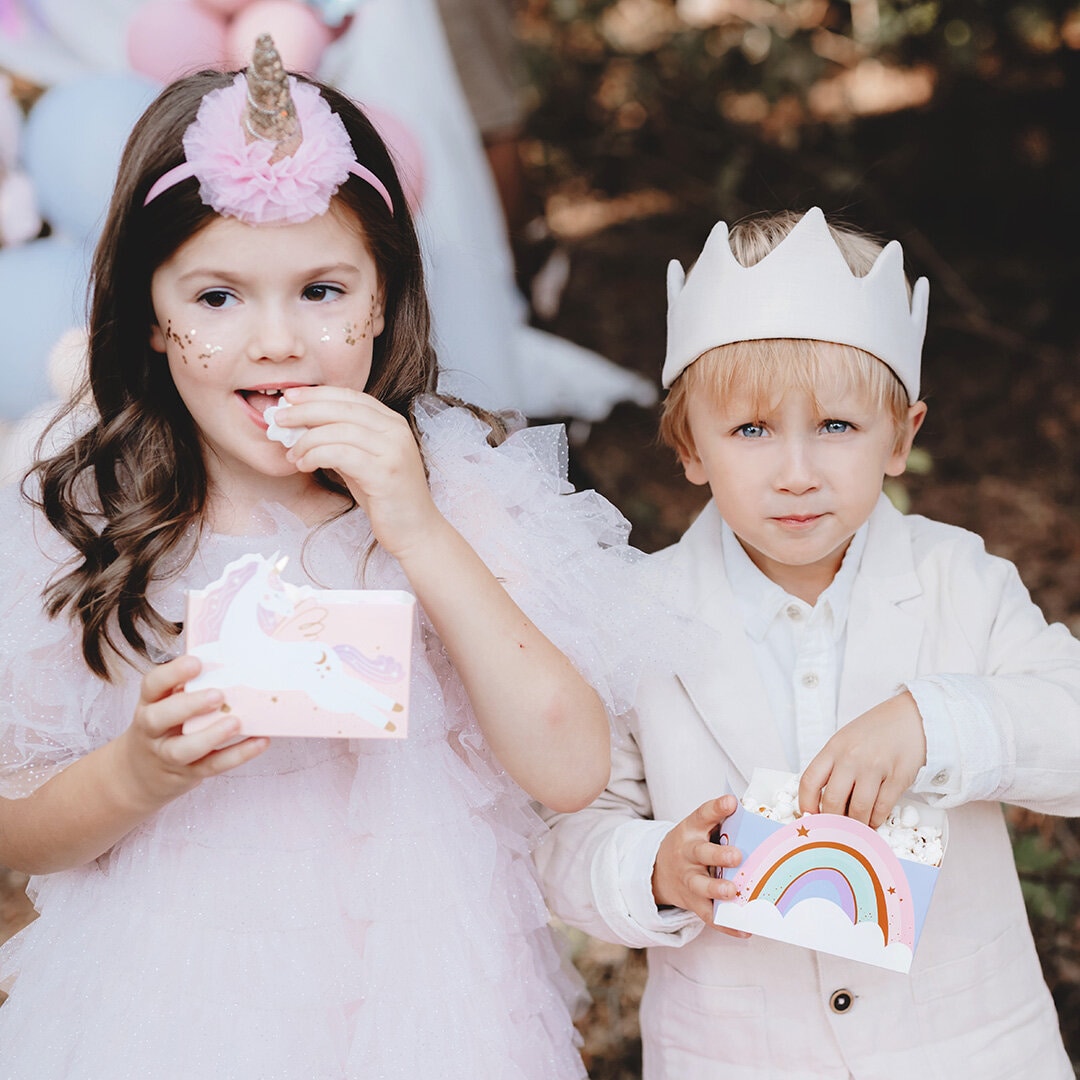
x=803, y=288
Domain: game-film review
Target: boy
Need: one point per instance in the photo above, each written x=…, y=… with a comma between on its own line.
x=872, y=652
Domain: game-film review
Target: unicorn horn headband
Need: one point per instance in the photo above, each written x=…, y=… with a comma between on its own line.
x=803, y=288
x=268, y=148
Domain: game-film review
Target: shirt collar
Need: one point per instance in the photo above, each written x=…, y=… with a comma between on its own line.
x=760, y=600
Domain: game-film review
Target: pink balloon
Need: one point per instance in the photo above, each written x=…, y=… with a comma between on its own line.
x=170, y=38
x=223, y=7
x=406, y=151
x=299, y=34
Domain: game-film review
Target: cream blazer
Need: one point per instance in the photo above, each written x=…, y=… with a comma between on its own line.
x=928, y=599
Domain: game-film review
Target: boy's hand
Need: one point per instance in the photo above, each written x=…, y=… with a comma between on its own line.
x=681, y=875
x=160, y=762
x=868, y=764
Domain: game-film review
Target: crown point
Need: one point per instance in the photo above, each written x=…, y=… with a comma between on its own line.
x=890, y=261
x=676, y=278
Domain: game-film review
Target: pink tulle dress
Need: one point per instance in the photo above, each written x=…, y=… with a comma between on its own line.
x=333, y=909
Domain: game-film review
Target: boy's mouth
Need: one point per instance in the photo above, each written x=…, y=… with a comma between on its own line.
x=797, y=519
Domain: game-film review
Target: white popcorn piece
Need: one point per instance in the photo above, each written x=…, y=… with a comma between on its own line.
x=288, y=437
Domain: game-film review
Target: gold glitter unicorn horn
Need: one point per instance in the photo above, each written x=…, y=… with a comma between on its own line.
x=270, y=112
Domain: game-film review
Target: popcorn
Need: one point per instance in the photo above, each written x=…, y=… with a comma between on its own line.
x=828, y=882
x=900, y=830
x=288, y=437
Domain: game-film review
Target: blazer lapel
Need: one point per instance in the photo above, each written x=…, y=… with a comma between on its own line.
x=885, y=620
x=723, y=684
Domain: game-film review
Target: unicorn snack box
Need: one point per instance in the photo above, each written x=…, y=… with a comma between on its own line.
x=295, y=660
x=829, y=882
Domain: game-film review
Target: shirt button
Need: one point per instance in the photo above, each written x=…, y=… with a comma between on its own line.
x=941, y=777
x=793, y=613
x=840, y=1001
x=809, y=679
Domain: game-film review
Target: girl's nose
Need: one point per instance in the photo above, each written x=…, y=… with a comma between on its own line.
x=275, y=338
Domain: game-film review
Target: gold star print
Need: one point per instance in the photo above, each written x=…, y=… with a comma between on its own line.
x=803, y=830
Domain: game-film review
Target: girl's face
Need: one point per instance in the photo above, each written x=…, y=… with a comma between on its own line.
x=242, y=313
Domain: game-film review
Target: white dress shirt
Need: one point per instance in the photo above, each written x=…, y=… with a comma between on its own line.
x=799, y=650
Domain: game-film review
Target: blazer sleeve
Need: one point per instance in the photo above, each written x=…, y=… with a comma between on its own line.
x=596, y=865
x=1008, y=730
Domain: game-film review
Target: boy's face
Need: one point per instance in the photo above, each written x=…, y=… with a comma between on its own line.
x=795, y=480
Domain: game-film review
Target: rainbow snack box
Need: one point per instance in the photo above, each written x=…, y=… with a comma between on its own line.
x=296, y=660
x=830, y=883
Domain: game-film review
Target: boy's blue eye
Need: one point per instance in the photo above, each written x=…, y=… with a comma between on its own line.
x=835, y=427
x=751, y=431
x=216, y=298
x=320, y=292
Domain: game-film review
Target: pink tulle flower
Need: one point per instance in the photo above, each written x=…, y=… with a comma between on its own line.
x=237, y=177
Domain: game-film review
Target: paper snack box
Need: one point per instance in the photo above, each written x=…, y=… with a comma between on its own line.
x=828, y=882
x=295, y=660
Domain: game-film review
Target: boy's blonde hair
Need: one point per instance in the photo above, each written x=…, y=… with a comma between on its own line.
x=763, y=369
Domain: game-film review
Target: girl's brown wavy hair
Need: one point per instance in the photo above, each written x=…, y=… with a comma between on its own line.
x=130, y=492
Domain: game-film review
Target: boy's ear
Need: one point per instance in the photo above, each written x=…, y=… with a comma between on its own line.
x=157, y=338
x=693, y=466
x=915, y=417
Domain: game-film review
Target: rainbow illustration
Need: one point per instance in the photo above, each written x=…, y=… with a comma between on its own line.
x=824, y=882
x=832, y=858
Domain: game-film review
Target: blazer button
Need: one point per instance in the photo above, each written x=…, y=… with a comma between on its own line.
x=841, y=1001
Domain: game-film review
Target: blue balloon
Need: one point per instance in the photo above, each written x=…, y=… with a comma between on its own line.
x=72, y=143
x=42, y=295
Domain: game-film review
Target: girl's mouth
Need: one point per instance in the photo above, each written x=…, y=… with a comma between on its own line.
x=260, y=400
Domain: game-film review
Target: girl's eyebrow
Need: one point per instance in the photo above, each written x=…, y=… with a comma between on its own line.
x=231, y=278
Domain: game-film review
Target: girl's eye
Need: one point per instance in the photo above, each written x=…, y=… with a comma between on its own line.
x=835, y=427
x=751, y=431
x=321, y=292
x=216, y=298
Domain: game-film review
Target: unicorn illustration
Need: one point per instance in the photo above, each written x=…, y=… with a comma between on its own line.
x=240, y=636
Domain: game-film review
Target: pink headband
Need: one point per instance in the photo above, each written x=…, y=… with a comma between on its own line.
x=267, y=149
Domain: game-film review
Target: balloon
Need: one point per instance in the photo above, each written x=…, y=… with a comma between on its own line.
x=72, y=145
x=406, y=151
x=170, y=38
x=42, y=295
x=298, y=33
x=223, y=7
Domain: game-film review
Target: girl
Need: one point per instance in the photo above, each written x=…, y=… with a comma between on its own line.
x=220, y=906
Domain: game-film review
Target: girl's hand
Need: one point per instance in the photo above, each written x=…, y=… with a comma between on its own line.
x=159, y=761
x=682, y=874
x=868, y=764
x=373, y=450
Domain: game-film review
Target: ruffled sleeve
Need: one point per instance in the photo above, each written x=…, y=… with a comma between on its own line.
x=51, y=706
x=562, y=555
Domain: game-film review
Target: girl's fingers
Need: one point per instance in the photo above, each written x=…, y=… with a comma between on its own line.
x=162, y=716
x=162, y=680
x=186, y=749
x=229, y=757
